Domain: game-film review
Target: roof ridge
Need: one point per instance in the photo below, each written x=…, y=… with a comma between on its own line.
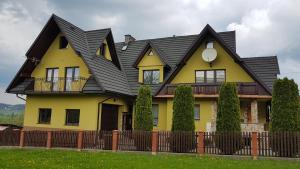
x=97, y=30
x=273, y=56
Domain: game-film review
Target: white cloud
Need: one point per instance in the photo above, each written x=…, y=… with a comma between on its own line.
x=9, y=98
x=20, y=23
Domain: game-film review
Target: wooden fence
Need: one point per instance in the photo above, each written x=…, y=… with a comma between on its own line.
x=283, y=144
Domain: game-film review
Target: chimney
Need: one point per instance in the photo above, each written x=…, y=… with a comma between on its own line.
x=128, y=39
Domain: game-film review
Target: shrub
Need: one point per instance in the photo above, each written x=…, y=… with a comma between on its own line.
x=183, y=125
x=143, y=117
x=183, y=109
x=228, y=120
x=285, y=117
x=143, y=110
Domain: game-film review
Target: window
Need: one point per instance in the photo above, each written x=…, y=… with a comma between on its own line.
x=102, y=49
x=220, y=76
x=72, y=117
x=72, y=73
x=155, y=114
x=51, y=74
x=52, y=78
x=151, y=76
x=63, y=43
x=197, y=112
x=209, y=45
x=150, y=53
x=200, y=77
x=210, y=76
x=44, y=116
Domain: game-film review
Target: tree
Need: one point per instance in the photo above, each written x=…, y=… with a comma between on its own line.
x=285, y=106
x=183, y=137
x=285, y=118
x=228, y=120
x=183, y=109
x=143, y=110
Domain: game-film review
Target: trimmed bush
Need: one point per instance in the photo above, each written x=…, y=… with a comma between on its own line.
x=143, y=110
x=285, y=106
x=143, y=117
x=183, y=109
x=285, y=118
x=229, y=136
x=183, y=137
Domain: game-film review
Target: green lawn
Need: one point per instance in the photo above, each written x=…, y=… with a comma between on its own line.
x=25, y=158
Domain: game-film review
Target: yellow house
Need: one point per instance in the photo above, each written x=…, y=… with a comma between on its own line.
x=83, y=80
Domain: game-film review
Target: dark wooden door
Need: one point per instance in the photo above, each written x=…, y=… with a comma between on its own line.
x=109, y=117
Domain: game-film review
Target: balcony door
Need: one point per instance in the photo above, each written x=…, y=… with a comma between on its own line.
x=72, y=77
x=52, y=79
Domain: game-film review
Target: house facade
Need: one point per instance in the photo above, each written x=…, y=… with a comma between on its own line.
x=82, y=80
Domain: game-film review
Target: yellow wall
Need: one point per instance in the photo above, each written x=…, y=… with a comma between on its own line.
x=88, y=106
x=162, y=113
x=107, y=54
x=60, y=58
x=152, y=62
x=234, y=72
x=200, y=125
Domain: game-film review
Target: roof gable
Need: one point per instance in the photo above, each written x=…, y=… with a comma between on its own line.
x=149, y=45
x=204, y=34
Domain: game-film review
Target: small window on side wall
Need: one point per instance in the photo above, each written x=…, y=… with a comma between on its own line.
x=197, y=112
x=63, y=43
x=44, y=116
x=72, y=117
x=155, y=114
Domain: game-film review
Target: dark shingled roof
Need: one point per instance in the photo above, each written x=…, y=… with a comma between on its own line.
x=119, y=75
x=266, y=68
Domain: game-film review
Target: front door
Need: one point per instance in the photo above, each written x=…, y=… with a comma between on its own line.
x=109, y=117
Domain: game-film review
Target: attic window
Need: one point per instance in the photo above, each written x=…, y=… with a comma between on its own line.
x=150, y=53
x=63, y=43
x=210, y=45
x=102, y=49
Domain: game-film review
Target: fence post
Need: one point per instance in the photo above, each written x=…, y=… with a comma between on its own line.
x=22, y=134
x=49, y=138
x=115, y=135
x=80, y=140
x=254, y=143
x=200, y=145
x=154, y=142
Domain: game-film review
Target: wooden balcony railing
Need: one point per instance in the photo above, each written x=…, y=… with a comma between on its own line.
x=213, y=89
x=57, y=85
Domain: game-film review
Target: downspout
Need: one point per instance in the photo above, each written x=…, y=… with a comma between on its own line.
x=98, y=115
x=20, y=97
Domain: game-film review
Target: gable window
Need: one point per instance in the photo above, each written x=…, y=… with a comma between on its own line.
x=151, y=76
x=52, y=78
x=44, y=116
x=72, y=117
x=197, y=112
x=150, y=53
x=210, y=76
x=209, y=45
x=155, y=114
x=63, y=42
x=102, y=49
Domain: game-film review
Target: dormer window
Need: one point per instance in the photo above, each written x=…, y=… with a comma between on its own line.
x=151, y=76
x=63, y=42
x=102, y=49
x=210, y=45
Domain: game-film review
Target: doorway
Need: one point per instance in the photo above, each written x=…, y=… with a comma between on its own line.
x=109, y=117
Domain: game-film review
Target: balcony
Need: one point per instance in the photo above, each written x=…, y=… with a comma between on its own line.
x=250, y=88
x=57, y=85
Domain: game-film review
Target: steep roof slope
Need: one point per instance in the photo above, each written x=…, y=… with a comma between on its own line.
x=266, y=68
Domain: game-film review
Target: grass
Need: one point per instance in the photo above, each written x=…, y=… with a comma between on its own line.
x=38, y=158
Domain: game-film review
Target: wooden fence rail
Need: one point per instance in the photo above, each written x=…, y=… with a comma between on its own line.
x=280, y=144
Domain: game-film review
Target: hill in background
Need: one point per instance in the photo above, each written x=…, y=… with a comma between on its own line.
x=11, y=114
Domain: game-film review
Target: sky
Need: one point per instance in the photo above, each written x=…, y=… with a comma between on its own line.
x=263, y=28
